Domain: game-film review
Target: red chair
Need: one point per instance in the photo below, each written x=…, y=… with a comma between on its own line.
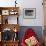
x=29, y=33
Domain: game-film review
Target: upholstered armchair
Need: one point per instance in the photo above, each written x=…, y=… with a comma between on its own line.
x=30, y=38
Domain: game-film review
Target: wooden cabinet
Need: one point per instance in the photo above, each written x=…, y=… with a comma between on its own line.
x=9, y=23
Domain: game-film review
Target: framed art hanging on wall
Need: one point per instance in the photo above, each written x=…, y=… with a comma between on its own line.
x=29, y=13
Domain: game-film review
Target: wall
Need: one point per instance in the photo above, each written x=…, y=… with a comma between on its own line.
x=7, y=3
x=39, y=13
x=27, y=4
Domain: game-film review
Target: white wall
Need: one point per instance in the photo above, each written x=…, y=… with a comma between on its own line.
x=27, y=4
x=7, y=3
x=39, y=12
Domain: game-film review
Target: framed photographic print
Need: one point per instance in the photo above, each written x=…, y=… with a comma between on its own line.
x=29, y=13
x=5, y=12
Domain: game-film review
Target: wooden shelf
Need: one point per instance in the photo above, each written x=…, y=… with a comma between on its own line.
x=3, y=8
x=4, y=24
x=10, y=9
x=9, y=43
x=11, y=26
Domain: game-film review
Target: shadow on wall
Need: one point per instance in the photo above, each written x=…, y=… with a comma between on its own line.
x=37, y=29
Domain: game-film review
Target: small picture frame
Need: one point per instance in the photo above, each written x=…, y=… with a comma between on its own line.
x=29, y=13
x=5, y=12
